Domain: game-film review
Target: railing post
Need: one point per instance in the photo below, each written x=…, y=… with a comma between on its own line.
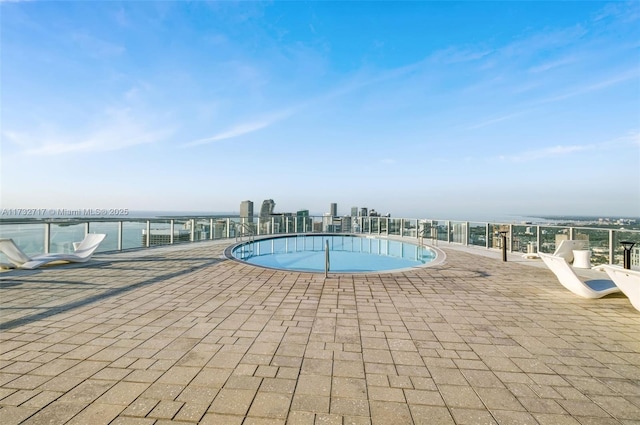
x=401, y=227
x=148, y=241
x=571, y=236
x=86, y=228
x=448, y=231
x=171, y=232
x=228, y=227
x=120, y=232
x=538, y=237
x=466, y=233
x=511, y=238
x=326, y=259
x=193, y=230
x=486, y=237
x=611, y=247
x=47, y=237
x=210, y=229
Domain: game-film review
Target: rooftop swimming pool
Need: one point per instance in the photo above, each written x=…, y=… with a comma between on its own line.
x=347, y=253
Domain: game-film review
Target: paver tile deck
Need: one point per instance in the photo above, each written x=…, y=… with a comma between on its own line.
x=182, y=334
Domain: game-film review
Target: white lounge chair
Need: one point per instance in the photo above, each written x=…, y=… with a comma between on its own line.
x=596, y=288
x=83, y=252
x=564, y=249
x=628, y=281
x=14, y=254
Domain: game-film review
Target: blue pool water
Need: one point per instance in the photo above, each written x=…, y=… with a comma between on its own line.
x=347, y=253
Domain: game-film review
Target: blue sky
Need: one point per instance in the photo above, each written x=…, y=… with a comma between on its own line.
x=417, y=109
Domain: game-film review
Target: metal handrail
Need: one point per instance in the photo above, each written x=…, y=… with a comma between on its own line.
x=327, y=261
x=244, y=227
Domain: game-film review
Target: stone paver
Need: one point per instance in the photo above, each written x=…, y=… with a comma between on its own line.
x=181, y=335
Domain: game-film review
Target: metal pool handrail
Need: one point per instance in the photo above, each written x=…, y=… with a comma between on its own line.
x=326, y=258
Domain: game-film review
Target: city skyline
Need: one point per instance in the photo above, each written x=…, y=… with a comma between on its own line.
x=438, y=109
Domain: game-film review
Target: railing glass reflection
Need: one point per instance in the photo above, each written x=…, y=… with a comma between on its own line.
x=58, y=236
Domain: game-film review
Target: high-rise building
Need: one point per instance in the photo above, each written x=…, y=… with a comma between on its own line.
x=364, y=212
x=354, y=211
x=333, y=209
x=246, y=210
x=267, y=208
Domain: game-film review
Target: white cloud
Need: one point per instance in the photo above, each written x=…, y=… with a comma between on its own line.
x=492, y=121
x=96, y=47
x=118, y=129
x=553, y=151
x=242, y=129
x=455, y=55
x=588, y=88
x=631, y=139
x=543, y=67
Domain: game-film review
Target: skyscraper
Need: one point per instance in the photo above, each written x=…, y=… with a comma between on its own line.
x=246, y=210
x=333, y=209
x=364, y=212
x=267, y=208
x=354, y=211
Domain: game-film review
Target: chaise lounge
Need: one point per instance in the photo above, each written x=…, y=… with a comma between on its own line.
x=13, y=253
x=628, y=281
x=596, y=288
x=82, y=253
x=565, y=249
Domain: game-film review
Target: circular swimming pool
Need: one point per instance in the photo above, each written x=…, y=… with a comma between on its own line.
x=347, y=253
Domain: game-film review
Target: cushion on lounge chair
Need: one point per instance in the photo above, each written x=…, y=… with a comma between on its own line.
x=588, y=289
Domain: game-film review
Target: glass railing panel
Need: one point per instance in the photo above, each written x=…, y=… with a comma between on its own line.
x=219, y=229
x=365, y=224
x=410, y=228
x=234, y=228
x=203, y=230
x=458, y=232
x=29, y=237
x=384, y=224
x=441, y=231
x=394, y=226
x=375, y=224
x=550, y=238
x=266, y=226
x=316, y=224
x=495, y=238
x=525, y=238
x=63, y=235
x=160, y=233
x=618, y=249
x=109, y=228
x=289, y=225
x=478, y=234
x=424, y=229
x=598, y=243
x=134, y=234
x=181, y=231
x=280, y=225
